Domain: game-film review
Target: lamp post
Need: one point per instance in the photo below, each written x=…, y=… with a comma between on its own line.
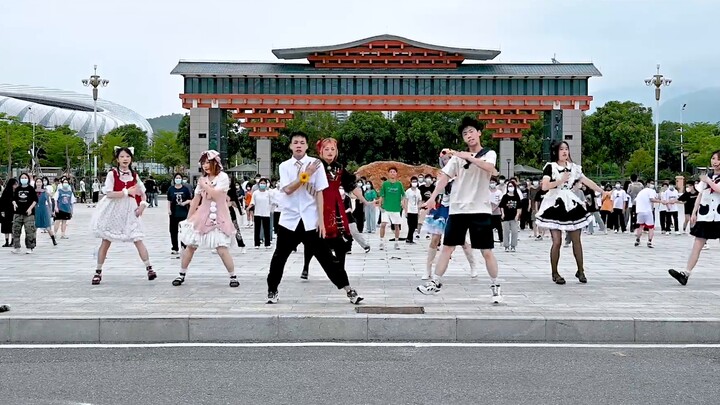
x=658, y=81
x=682, y=156
x=32, y=152
x=95, y=81
x=508, y=163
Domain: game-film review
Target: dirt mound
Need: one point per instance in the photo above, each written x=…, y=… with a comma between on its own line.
x=374, y=171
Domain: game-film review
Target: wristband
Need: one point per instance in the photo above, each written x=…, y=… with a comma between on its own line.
x=125, y=192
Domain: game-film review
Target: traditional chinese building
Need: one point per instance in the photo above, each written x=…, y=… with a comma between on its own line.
x=384, y=73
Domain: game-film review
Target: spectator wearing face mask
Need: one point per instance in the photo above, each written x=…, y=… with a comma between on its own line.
x=411, y=207
x=64, y=202
x=358, y=212
x=688, y=200
x=260, y=202
x=426, y=187
x=509, y=204
x=619, y=200
x=671, y=197
x=352, y=222
x=496, y=217
x=370, y=210
x=606, y=207
x=24, y=201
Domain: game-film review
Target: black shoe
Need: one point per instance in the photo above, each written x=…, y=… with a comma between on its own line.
x=680, y=276
x=367, y=249
x=272, y=298
x=234, y=282
x=637, y=242
x=581, y=276
x=4, y=308
x=304, y=274
x=354, y=297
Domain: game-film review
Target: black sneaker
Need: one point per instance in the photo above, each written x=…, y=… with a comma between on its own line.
x=272, y=298
x=367, y=249
x=354, y=297
x=637, y=242
x=304, y=274
x=680, y=276
x=650, y=245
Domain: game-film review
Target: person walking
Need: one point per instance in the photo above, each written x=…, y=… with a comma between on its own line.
x=179, y=198
x=7, y=210
x=411, y=207
x=43, y=215
x=510, y=208
x=371, y=209
x=64, y=203
x=24, y=202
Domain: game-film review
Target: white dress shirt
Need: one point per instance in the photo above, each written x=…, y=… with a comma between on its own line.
x=299, y=205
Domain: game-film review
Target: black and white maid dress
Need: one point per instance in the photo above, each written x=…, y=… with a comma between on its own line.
x=707, y=225
x=561, y=209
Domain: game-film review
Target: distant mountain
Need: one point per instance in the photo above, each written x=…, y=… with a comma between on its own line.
x=702, y=105
x=165, y=122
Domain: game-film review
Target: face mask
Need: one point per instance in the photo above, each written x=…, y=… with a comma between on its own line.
x=66, y=186
x=184, y=181
x=535, y=183
x=359, y=184
x=178, y=181
x=24, y=182
x=262, y=186
x=421, y=179
x=493, y=185
x=651, y=186
x=522, y=188
x=428, y=182
x=688, y=189
x=414, y=183
x=618, y=187
x=511, y=189
x=502, y=182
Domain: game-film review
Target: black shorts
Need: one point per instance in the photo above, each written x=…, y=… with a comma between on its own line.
x=479, y=225
x=63, y=216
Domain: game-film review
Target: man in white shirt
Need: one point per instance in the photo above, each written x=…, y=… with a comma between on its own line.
x=301, y=202
x=671, y=197
x=411, y=207
x=645, y=211
x=470, y=205
x=620, y=199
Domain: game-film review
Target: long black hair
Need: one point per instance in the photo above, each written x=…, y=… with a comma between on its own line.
x=127, y=150
x=555, y=151
x=8, y=190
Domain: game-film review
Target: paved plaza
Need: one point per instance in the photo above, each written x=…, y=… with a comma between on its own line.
x=626, y=284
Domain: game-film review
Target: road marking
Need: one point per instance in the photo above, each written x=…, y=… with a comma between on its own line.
x=363, y=344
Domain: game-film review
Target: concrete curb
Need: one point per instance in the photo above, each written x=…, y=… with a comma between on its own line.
x=356, y=328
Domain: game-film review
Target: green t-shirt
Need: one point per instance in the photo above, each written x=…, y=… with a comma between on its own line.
x=392, y=195
x=371, y=195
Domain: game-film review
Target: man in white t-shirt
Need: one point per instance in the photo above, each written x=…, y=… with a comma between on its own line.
x=645, y=211
x=470, y=205
x=411, y=207
x=620, y=199
x=671, y=197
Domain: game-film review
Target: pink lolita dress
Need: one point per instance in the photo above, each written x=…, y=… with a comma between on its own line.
x=210, y=226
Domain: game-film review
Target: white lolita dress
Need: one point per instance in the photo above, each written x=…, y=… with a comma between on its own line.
x=115, y=219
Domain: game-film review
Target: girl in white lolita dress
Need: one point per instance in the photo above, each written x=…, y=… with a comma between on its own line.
x=209, y=224
x=562, y=210
x=118, y=215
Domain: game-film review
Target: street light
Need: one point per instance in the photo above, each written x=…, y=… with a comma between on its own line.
x=32, y=152
x=682, y=157
x=95, y=81
x=658, y=81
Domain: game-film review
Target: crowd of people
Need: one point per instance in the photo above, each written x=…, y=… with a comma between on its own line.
x=319, y=203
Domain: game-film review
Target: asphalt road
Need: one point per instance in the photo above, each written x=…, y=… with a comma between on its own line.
x=360, y=375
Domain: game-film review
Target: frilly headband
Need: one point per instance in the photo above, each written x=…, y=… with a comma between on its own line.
x=212, y=155
x=130, y=148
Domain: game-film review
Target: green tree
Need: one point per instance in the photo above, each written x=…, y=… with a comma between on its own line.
x=528, y=149
x=367, y=137
x=64, y=148
x=183, y=135
x=168, y=150
x=641, y=163
x=701, y=140
x=105, y=148
x=615, y=131
x=134, y=136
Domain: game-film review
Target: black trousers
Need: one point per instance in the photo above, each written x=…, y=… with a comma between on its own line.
x=496, y=222
x=276, y=221
x=338, y=247
x=412, y=221
x=633, y=218
x=174, y=229
x=359, y=215
x=238, y=235
x=265, y=223
x=95, y=197
x=605, y=215
x=618, y=219
x=288, y=240
x=664, y=221
x=671, y=220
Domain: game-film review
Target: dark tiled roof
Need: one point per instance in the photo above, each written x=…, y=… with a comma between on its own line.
x=241, y=69
x=302, y=53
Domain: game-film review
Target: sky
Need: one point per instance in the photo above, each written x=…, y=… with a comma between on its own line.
x=137, y=43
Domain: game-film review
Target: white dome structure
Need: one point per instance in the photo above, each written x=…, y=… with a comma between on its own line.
x=53, y=108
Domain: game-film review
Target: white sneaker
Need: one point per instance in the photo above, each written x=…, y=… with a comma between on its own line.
x=268, y=247
x=16, y=251
x=473, y=271
x=397, y=246
x=382, y=245
x=496, y=294
x=432, y=287
x=29, y=252
x=426, y=276
x=242, y=250
x=678, y=233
